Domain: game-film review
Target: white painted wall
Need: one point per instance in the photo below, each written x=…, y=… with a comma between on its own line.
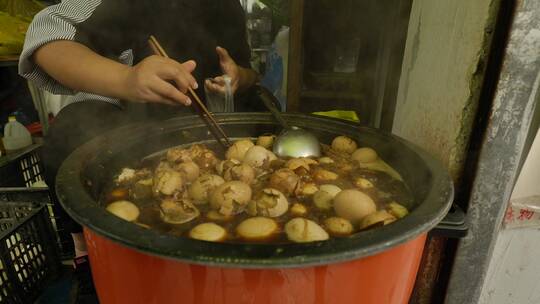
x=437, y=100
x=513, y=275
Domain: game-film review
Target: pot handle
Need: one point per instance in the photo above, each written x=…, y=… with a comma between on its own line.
x=267, y=96
x=454, y=224
x=269, y=100
x=272, y=104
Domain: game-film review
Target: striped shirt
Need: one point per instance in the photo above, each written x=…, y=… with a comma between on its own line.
x=119, y=29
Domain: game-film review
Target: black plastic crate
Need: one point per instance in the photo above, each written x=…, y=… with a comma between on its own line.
x=23, y=169
x=28, y=250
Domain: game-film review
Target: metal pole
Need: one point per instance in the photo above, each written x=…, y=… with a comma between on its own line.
x=516, y=95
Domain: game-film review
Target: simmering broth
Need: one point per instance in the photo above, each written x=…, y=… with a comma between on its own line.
x=250, y=195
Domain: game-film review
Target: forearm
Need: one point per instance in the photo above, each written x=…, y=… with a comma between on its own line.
x=247, y=78
x=79, y=68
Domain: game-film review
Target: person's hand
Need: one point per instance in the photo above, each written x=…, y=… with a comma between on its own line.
x=229, y=68
x=161, y=80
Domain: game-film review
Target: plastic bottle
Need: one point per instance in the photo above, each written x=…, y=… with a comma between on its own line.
x=16, y=136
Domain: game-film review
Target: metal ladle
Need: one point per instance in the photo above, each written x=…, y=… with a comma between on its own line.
x=292, y=141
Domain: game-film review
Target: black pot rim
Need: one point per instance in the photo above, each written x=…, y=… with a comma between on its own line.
x=79, y=204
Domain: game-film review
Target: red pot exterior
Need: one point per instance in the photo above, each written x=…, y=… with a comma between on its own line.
x=124, y=275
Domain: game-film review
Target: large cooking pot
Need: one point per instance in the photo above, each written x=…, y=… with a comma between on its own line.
x=131, y=264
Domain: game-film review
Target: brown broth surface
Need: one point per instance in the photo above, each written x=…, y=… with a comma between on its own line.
x=386, y=189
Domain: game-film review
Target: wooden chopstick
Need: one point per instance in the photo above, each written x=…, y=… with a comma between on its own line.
x=206, y=116
x=154, y=48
